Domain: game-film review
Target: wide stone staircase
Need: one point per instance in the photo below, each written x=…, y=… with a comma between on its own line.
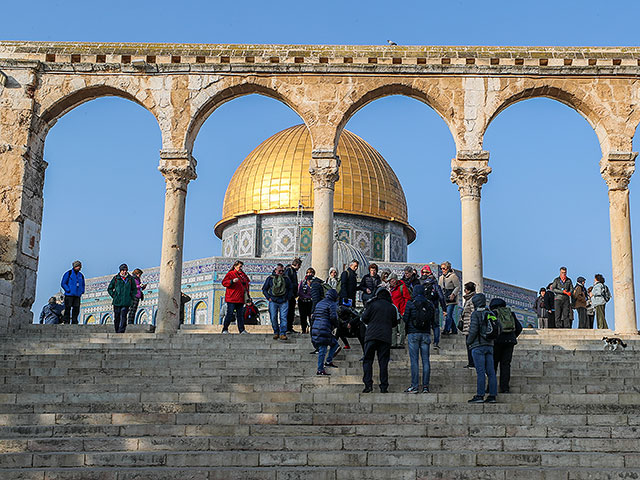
x=77, y=402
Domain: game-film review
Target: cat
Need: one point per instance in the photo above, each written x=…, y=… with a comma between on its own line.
x=612, y=343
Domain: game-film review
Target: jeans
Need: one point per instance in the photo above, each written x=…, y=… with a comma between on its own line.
x=436, y=333
x=274, y=309
x=564, y=314
x=449, y=323
x=71, y=306
x=238, y=309
x=483, y=360
x=322, y=351
x=582, y=317
x=419, y=346
x=384, y=352
x=291, y=313
x=502, y=355
x=120, y=318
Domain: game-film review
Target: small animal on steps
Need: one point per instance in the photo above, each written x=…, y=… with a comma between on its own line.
x=612, y=343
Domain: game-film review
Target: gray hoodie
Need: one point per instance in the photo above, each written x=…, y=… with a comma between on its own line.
x=475, y=339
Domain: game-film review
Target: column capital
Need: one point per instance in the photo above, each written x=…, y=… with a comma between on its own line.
x=470, y=171
x=616, y=168
x=324, y=169
x=177, y=165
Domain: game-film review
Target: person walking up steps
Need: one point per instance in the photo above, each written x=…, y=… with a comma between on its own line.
x=503, y=345
x=450, y=284
x=277, y=289
x=482, y=350
x=325, y=320
x=237, y=293
x=418, y=317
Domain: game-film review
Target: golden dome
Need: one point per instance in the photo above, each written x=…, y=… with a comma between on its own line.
x=275, y=177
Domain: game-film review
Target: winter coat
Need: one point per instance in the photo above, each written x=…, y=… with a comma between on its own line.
x=348, y=284
x=411, y=311
x=304, y=290
x=559, y=287
x=597, y=295
x=400, y=295
x=474, y=338
x=467, y=310
x=266, y=290
x=549, y=301
x=317, y=292
x=122, y=290
x=539, y=306
x=506, y=338
x=235, y=290
x=381, y=317
x=325, y=319
x=51, y=313
x=580, y=296
x=433, y=291
x=72, y=283
x=292, y=274
x=450, y=284
x=139, y=287
x=369, y=282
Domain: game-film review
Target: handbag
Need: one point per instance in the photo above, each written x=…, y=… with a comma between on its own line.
x=460, y=325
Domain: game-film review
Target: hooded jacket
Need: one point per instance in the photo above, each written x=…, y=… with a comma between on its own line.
x=411, y=311
x=475, y=339
x=400, y=295
x=433, y=291
x=266, y=290
x=325, y=319
x=506, y=337
x=235, y=290
x=381, y=317
x=122, y=290
x=51, y=313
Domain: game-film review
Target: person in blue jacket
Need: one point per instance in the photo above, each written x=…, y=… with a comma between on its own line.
x=73, y=286
x=325, y=320
x=51, y=312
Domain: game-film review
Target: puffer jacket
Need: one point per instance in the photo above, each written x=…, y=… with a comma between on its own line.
x=51, y=313
x=474, y=338
x=411, y=311
x=467, y=310
x=325, y=319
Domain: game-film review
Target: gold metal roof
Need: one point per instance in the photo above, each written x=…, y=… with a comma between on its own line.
x=275, y=177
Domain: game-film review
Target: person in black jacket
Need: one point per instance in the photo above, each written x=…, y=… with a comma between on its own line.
x=418, y=316
x=503, y=345
x=549, y=305
x=349, y=283
x=326, y=319
x=370, y=283
x=291, y=272
x=380, y=317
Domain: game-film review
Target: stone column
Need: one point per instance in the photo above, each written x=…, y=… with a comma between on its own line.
x=324, y=171
x=178, y=168
x=469, y=171
x=616, y=169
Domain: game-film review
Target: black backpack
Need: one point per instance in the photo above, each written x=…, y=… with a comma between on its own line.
x=491, y=328
x=424, y=315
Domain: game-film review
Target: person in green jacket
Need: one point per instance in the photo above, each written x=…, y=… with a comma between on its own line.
x=123, y=290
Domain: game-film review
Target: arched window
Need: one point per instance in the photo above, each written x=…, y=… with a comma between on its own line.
x=143, y=318
x=200, y=313
x=107, y=319
x=90, y=320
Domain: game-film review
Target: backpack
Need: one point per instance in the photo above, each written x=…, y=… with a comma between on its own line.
x=606, y=293
x=505, y=317
x=279, y=286
x=491, y=328
x=424, y=315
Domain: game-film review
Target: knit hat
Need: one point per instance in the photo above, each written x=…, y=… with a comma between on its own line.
x=77, y=263
x=124, y=267
x=427, y=269
x=581, y=279
x=393, y=276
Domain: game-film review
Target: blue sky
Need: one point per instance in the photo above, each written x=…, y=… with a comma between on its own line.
x=104, y=195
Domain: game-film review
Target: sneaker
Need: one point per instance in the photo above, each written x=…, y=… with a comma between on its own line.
x=436, y=347
x=425, y=389
x=323, y=373
x=244, y=332
x=491, y=399
x=411, y=390
x=347, y=347
x=476, y=399
x=330, y=364
x=367, y=390
x=283, y=337
x=315, y=352
x=276, y=336
x=225, y=331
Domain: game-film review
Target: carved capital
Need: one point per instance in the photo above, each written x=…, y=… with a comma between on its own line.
x=324, y=169
x=470, y=171
x=178, y=167
x=616, y=168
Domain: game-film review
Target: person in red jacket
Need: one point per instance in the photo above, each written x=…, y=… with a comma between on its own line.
x=237, y=284
x=400, y=295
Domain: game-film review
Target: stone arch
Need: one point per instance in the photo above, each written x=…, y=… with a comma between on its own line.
x=396, y=88
x=562, y=95
x=231, y=92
